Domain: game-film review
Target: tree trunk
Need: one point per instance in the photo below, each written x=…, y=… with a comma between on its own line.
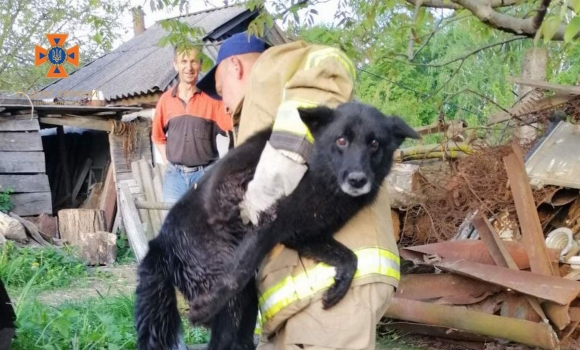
x=74, y=223
x=535, y=67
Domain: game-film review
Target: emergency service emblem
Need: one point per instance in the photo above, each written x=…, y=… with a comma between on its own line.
x=56, y=55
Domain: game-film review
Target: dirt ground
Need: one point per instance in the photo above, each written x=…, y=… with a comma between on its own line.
x=111, y=281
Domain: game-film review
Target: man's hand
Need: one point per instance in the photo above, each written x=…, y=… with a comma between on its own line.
x=276, y=175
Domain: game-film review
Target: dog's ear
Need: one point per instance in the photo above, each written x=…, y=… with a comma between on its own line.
x=400, y=130
x=316, y=118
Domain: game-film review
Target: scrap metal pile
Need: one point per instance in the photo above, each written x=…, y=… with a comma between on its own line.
x=491, y=251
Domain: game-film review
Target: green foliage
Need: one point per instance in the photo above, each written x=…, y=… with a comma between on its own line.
x=24, y=23
x=98, y=323
x=124, y=252
x=55, y=267
x=5, y=203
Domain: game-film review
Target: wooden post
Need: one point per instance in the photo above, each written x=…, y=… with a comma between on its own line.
x=132, y=222
x=535, y=67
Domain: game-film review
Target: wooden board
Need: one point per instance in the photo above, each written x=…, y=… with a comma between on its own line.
x=28, y=204
x=25, y=183
x=7, y=124
x=22, y=162
x=79, y=122
x=132, y=222
x=20, y=141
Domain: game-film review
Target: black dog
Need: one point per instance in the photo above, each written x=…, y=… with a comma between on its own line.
x=205, y=250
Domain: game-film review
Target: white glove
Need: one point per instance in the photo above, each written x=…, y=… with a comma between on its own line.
x=276, y=175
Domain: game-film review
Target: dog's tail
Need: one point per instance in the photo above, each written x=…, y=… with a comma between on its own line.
x=157, y=318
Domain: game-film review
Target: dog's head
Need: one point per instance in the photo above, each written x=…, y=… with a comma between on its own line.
x=356, y=142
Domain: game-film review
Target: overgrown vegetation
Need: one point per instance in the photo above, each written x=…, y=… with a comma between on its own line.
x=124, y=252
x=5, y=203
x=53, y=267
x=104, y=322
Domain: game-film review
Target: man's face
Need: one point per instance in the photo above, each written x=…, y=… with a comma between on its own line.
x=187, y=65
x=228, y=83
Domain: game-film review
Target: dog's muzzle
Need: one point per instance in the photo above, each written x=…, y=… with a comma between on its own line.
x=355, y=184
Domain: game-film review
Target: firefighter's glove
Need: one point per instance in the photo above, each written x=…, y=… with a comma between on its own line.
x=277, y=174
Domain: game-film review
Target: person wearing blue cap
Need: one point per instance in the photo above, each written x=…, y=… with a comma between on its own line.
x=262, y=87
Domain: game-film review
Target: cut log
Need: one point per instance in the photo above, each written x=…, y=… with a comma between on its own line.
x=12, y=229
x=32, y=230
x=73, y=223
x=98, y=248
x=403, y=185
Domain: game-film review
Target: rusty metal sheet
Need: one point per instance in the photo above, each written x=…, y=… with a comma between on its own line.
x=521, y=331
x=556, y=289
x=533, y=236
x=556, y=160
x=502, y=258
x=472, y=250
x=444, y=289
x=518, y=306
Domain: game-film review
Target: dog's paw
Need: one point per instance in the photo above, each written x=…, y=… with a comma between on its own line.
x=334, y=294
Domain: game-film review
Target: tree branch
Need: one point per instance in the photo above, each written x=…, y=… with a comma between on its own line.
x=484, y=11
x=447, y=4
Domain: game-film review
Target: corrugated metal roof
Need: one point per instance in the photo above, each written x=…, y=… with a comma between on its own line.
x=140, y=67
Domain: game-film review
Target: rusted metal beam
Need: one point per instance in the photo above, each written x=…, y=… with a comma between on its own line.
x=556, y=289
x=533, y=236
x=444, y=288
x=502, y=258
x=497, y=249
x=521, y=331
x=472, y=250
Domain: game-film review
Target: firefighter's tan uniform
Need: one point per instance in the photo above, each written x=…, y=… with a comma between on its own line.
x=290, y=288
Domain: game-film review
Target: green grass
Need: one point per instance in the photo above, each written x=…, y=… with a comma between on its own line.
x=54, y=267
x=99, y=323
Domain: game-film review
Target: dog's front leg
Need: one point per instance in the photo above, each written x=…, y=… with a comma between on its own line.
x=332, y=252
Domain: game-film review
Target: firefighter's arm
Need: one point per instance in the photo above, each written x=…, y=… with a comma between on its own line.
x=325, y=77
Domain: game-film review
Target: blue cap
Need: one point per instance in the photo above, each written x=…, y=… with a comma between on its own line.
x=237, y=44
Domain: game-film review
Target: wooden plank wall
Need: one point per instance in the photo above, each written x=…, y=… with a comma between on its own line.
x=22, y=165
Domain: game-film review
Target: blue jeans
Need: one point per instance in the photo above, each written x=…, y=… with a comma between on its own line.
x=177, y=181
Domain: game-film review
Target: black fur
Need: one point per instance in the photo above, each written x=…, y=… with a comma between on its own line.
x=211, y=257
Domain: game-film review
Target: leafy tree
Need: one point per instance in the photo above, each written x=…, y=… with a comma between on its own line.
x=23, y=23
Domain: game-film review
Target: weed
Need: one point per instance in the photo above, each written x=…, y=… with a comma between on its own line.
x=57, y=267
x=5, y=203
x=98, y=323
x=124, y=252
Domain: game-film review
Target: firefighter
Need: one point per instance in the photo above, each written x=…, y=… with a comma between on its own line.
x=261, y=87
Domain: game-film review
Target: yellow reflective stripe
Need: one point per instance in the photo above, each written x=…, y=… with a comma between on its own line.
x=316, y=57
x=290, y=121
x=371, y=261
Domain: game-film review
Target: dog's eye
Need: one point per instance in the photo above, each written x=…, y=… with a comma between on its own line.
x=374, y=145
x=342, y=141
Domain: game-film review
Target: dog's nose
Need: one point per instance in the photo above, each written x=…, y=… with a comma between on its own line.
x=357, y=179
